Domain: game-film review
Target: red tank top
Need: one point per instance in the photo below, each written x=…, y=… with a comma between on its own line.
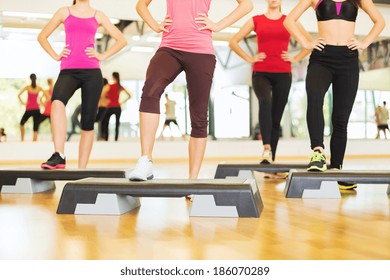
x=113, y=96
x=32, y=101
x=48, y=105
x=272, y=39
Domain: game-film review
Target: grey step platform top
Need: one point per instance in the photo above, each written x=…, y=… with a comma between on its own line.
x=10, y=176
x=232, y=169
x=239, y=192
x=300, y=180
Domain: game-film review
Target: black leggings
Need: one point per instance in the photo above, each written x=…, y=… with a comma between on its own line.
x=91, y=83
x=36, y=114
x=339, y=66
x=117, y=111
x=272, y=91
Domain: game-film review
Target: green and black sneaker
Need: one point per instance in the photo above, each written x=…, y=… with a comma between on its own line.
x=317, y=162
x=345, y=185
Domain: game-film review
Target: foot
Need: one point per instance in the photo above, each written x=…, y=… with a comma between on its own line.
x=56, y=161
x=143, y=170
x=317, y=162
x=345, y=185
x=266, y=157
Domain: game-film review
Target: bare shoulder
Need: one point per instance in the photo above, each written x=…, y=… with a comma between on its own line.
x=100, y=16
x=63, y=12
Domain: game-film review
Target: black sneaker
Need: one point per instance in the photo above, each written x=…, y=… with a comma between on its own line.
x=317, y=162
x=345, y=185
x=54, y=162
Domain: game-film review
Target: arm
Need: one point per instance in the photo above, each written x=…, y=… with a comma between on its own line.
x=239, y=36
x=45, y=97
x=379, y=24
x=303, y=53
x=244, y=7
x=291, y=24
x=20, y=94
x=114, y=32
x=143, y=11
x=128, y=95
x=52, y=25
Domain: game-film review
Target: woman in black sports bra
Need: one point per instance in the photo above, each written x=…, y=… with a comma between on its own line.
x=334, y=60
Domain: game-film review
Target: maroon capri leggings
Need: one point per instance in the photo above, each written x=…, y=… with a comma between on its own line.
x=164, y=67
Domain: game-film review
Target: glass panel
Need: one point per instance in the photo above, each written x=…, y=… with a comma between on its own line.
x=231, y=112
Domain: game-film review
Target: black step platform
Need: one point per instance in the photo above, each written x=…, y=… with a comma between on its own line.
x=225, y=170
x=39, y=180
x=235, y=197
x=304, y=184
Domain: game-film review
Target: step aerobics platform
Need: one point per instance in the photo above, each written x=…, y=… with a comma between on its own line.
x=304, y=184
x=41, y=180
x=225, y=170
x=233, y=197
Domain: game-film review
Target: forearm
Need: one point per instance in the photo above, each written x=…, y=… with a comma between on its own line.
x=243, y=8
x=233, y=44
x=119, y=44
x=47, y=47
x=374, y=32
x=292, y=27
x=301, y=55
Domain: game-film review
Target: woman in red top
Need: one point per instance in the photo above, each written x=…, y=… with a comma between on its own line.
x=46, y=101
x=32, y=106
x=114, y=106
x=271, y=78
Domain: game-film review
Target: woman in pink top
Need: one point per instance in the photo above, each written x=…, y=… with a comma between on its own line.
x=32, y=106
x=186, y=46
x=79, y=69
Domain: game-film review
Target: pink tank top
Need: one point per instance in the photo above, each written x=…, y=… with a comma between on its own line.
x=183, y=33
x=80, y=34
x=32, y=101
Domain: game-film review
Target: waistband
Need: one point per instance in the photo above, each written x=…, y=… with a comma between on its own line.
x=337, y=49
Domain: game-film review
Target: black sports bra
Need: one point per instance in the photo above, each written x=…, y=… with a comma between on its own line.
x=329, y=9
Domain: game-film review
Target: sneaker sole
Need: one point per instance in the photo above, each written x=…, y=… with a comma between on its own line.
x=264, y=161
x=58, y=166
x=345, y=188
x=316, y=168
x=138, y=179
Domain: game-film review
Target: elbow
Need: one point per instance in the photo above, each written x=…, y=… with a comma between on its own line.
x=232, y=43
x=41, y=38
x=138, y=7
x=123, y=42
x=248, y=6
x=383, y=25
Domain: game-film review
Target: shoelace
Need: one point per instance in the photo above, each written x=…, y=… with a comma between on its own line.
x=266, y=153
x=317, y=156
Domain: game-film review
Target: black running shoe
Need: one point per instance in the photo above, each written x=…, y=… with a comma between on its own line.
x=345, y=185
x=317, y=162
x=54, y=162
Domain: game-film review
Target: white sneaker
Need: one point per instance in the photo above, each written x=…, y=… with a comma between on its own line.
x=266, y=158
x=143, y=170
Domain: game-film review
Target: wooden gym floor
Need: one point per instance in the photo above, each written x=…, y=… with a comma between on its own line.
x=357, y=226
